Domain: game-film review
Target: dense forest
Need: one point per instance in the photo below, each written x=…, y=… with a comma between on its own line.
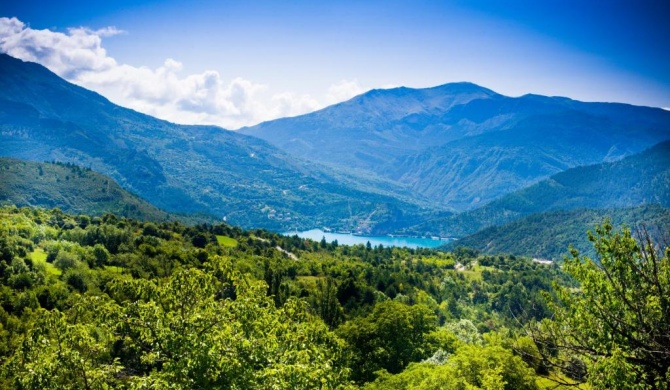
x=111, y=302
x=550, y=235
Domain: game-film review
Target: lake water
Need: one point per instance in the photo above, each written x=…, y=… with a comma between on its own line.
x=350, y=239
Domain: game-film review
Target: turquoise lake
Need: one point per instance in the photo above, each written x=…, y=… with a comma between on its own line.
x=350, y=239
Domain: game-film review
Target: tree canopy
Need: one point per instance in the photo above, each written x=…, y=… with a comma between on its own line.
x=614, y=329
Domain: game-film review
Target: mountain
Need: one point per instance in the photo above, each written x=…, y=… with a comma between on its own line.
x=461, y=145
x=636, y=180
x=370, y=130
x=549, y=235
x=185, y=169
x=72, y=189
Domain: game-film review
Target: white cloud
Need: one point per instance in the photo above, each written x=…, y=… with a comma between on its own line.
x=202, y=98
x=344, y=90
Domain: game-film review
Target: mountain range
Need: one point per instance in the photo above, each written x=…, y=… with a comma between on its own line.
x=447, y=161
x=463, y=145
x=178, y=168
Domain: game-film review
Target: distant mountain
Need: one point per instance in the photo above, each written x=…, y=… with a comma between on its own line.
x=72, y=189
x=636, y=180
x=549, y=235
x=187, y=169
x=370, y=130
x=461, y=145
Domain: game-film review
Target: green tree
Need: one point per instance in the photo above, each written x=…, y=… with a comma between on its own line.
x=325, y=302
x=618, y=322
x=219, y=329
x=213, y=328
x=58, y=353
x=389, y=338
x=471, y=367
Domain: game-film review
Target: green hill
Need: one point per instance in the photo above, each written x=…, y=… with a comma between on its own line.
x=637, y=180
x=72, y=189
x=124, y=304
x=548, y=235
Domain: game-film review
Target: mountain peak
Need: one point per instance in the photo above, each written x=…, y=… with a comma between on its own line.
x=398, y=102
x=450, y=89
x=462, y=87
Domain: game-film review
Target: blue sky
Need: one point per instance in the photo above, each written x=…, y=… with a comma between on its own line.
x=235, y=63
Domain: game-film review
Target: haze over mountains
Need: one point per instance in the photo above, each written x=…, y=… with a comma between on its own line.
x=446, y=161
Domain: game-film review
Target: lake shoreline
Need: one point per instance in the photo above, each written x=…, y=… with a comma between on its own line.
x=356, y=239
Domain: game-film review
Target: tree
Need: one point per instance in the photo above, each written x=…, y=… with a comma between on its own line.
x=471, y=367
x=617, y=323
x=389, y=338
x=325, y=302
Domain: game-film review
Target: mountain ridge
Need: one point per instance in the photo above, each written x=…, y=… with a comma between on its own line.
x=72, y=189
x=550, y=234
x=422, y=148
x=179, y=168
x=422, y=153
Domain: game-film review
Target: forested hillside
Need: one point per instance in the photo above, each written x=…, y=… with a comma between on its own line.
x=550, y=235
x=72, y=189
x=109, y=302
x=640, y=179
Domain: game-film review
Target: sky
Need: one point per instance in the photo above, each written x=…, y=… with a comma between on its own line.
x=238, y=63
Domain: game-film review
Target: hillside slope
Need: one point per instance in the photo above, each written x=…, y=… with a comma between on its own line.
x=636, y=180
x=72, y=189
x=549, y=235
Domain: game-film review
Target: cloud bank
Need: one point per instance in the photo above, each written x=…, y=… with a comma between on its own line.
x=78, y=56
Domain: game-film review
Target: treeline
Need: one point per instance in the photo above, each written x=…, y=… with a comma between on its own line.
x=109, y=302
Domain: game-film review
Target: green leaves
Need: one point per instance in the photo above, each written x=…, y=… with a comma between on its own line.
x=489, y=367
x=617, y=320
x=391, y=337
x=181, y=332
x=59, y=354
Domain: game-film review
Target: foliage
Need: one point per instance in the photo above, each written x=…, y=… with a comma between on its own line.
x=489, y=367
x=389, y=338
x=158, y=304
x=615, y=324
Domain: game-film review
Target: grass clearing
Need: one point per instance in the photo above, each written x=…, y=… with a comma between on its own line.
x=473, y=272
x=310, y=281
x=114, y=268
x=38, y=256
x=226, y=241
